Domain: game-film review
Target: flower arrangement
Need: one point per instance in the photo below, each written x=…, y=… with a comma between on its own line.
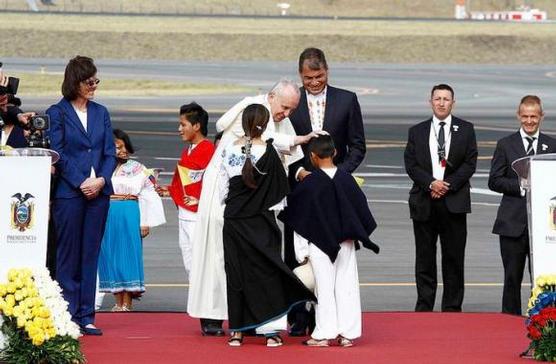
x=35, y=320
x=541, y=322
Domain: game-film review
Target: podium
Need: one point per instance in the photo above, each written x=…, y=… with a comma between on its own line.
x=537, y=175
x=24, y=207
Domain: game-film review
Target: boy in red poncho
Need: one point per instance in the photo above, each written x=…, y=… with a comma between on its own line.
x=185, y=188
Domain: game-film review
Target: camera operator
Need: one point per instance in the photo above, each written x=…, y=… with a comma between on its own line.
x=12, y=119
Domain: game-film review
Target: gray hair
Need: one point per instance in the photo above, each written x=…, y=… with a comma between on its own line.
x=282, y=86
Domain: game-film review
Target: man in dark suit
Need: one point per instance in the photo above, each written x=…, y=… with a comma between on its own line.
x=337, y=112
x=511, y=221
x=440, y=158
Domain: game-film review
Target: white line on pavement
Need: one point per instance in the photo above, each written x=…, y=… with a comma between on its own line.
x=392, y=284
x=378, y=175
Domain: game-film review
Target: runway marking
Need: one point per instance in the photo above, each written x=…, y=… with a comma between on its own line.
x=404, y=202
x=381, y=175
x=373, y=284
x=484, y=191
x=383, y=166
x=159, y=133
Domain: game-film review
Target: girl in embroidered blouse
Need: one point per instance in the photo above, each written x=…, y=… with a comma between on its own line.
x=135, y=207
x=260, y=287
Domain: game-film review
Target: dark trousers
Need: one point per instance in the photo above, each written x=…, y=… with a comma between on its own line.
x=452, y=230
x=51, y=249
x=514, y=252
x=79, y=226
x=299, y=318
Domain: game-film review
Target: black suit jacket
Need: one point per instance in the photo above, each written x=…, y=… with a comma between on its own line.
x=342, y=120
x=511, y=219
x=17, y=138
x=461, y=164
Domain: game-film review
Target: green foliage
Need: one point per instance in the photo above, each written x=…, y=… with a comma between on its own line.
x=20, y=350
x=545, y=347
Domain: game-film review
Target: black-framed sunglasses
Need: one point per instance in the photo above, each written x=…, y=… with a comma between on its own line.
x=91, y=82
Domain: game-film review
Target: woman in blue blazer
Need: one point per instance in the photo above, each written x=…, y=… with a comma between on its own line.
x=81, y=133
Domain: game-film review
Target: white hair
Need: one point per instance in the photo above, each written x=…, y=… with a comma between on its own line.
x=283, y=86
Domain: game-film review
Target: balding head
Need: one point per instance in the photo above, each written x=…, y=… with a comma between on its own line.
x=283, y=99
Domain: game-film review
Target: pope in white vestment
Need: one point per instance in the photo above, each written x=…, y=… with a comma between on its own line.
x=207, y=280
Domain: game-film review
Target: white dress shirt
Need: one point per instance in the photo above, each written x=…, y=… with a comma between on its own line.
x=524, y=137
x=437, y=168
x=317, y=106
x=82, y=115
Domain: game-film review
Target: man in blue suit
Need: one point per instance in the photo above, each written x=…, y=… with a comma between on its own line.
x=81, y=133
x=337, y=112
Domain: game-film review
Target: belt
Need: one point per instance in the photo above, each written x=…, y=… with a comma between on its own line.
x=123, y=197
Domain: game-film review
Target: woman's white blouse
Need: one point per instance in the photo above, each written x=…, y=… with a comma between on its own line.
x=132, y=178
x=233, y=160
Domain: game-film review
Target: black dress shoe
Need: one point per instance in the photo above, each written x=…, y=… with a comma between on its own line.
x=211, y=327
x=95, y=331
x=298, y=330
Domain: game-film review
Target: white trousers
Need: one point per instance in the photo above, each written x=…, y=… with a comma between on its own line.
x=272, y=327
x=338, y=311
x=186, y=222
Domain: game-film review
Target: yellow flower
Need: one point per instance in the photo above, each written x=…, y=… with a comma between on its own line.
x=26, y=273
x=44, y=312
x=18, y=296
x=12, y=274
x=31, y=328
x=10, y=300
x=38, y=339
x=33, y=292
x=11, y=288
x=8, y=310
x=21, y=322
x=19, y=283
x=18, y=311
x=46, y=324
x=3, y=290
x=541, y=281
x=38, y=321
x=35, y=311
x=51, y=332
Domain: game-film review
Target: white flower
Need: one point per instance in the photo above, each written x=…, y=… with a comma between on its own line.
x=2, y=340
x=51, y=293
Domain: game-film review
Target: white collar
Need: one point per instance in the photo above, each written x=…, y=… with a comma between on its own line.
x=437, y=121
x=525, y=135
x=321, y=95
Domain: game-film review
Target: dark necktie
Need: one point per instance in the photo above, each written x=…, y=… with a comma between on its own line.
x=530, y=149
x=441, y=142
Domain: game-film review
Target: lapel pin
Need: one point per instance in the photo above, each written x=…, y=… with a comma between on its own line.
x=544, y=147
x=455, y=127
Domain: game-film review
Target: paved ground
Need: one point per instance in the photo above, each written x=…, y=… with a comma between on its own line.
x=392, y=98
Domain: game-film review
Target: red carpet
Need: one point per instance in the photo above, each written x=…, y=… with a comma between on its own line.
x=387, y=338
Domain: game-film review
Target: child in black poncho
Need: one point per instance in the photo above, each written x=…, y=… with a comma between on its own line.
x=330, y=216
